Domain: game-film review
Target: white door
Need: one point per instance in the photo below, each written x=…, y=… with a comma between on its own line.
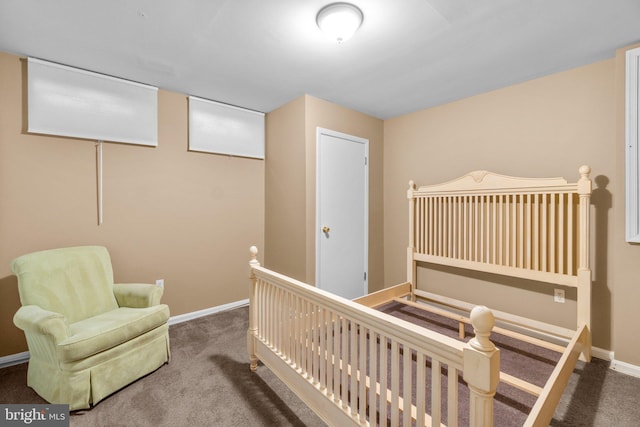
x=341, y=213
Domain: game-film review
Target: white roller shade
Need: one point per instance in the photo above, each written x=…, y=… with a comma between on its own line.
x=67, y=101
x=224, y=129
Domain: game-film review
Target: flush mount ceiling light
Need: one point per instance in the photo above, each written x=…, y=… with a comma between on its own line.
x=339, y=21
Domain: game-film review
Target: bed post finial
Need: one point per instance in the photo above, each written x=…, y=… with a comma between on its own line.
x=483, y=321
x=584, y=171
x=412, y=187
x=254, y=254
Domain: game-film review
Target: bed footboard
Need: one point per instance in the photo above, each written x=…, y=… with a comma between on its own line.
x=354, y=365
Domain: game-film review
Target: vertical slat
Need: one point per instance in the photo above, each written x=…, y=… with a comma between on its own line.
x=496, y=221
x=476, y=240
x=421, y=385
x=344, y=358
x=465, y=228
x=275, y=319
x=536, y=232
x=436, y=392
x=259, y=309
x=470, y=228
x=521, y=238
x=440, y=226
x=406, y=385
x=277, y=305
x=507, y=231
x=460, y=228
x=265, y=309
x=395, y=383
x=454, y=229
x=362, y=368
x=452, y=397
x=552, y=235
x=503, y=235
x=329, y=355
x=353, y=381
x=337, y=353
x=314, y=343
x=528, y=231
x=570, y=237
x=423, y=225
x=561, y=239
x=284, y=325
x=288, y=324
x=281, y=320
x=430, y=222
x=544, y=253
x=419, y=223
x=373, y=376
x=433, y=223
x=269, y=319
x=384, y=375
x=450, y=227
x=322, y=356
x=482, y=221
x=299, y=333
x=514, y=234
x=308, y=339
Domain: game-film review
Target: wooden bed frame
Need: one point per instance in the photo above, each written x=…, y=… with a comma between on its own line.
x=355, y=365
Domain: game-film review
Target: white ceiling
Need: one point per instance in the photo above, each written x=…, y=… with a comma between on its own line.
x=408, y=55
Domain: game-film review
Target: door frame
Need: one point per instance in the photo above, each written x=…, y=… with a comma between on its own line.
x=318, y=227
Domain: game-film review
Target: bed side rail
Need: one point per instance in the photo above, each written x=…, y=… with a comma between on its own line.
x=365, y=364
x=545, y=406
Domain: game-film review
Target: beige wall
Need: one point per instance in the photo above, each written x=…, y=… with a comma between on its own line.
x=285, y=188
x=544, y=127
x=293, y=184
x=186, y=217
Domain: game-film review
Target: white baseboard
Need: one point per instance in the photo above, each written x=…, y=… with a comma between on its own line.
x=601, y=353
x=16, y=359
x=207, y=311
x=625, y=368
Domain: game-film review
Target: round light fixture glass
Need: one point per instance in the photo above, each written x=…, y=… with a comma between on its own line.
x=339, y=21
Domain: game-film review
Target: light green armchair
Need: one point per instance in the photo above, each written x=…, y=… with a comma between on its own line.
x=87, y=336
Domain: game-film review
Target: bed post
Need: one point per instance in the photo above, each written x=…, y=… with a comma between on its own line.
x=481, y=368
x=411, y=265
x=584, y=272
x=253, y=326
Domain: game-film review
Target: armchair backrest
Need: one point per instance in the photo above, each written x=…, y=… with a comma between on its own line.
x=76, y=282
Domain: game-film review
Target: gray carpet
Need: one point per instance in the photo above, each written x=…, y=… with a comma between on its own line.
x=208, y=383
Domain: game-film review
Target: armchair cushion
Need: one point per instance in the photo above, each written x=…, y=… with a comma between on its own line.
x=110, y=329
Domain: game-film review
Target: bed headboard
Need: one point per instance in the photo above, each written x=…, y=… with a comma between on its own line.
x=531, y=228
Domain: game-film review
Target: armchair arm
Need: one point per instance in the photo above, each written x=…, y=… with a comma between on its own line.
x=36, y=320
x=137, y=295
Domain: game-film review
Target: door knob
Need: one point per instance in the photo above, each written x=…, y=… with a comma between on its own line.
x=326, y=229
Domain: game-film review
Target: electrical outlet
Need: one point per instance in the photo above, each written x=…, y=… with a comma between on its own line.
x=558, y=295
x=160, y=283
